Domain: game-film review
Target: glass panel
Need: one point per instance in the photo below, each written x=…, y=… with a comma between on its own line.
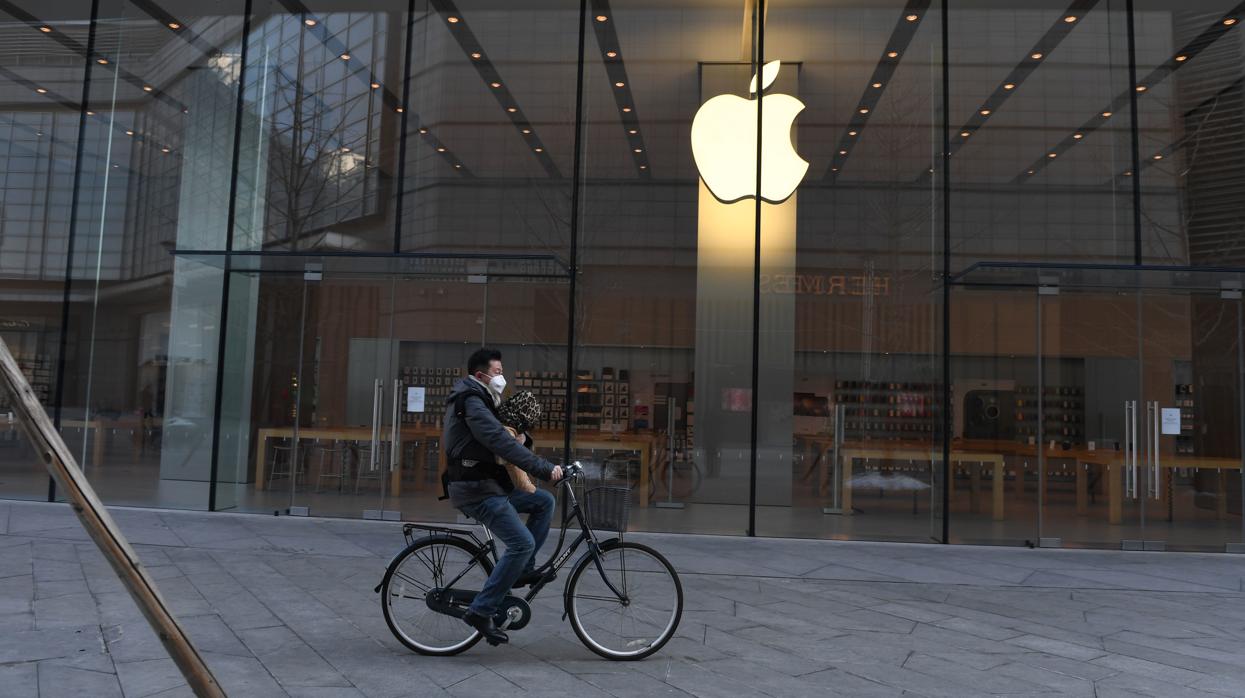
x=1040, y=132
x=39, y=127
x=850, y=307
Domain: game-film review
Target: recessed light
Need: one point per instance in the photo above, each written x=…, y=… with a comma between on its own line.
x=164, y=149
x=174, y=26
x=458, y=166
x=851, y=133
x=345, y=149
x=495, y=85
x=643, y=167
x=984, y=112
x=639, y=150
x=90, y=113
x=1106, y=114
x=527, y=130
x=45, y=29
x=345, y=56
x=1078, y=136
x=1158, y=156
x=1036, y=56
x=41, y=90
x=376, y=86
x=512, y=109
x=102, y=61
x=964, y=134
x=632, y=131
x=620, y=84
x=423, y=130
x=892, y=54
x=1070, y=19
x=1030, y=171
x=309, y=22
x=1141, y=88
x=148, y=88
x=864, y=110
x=627, y=110
x=452, y=19
x=842, y=152
x=912, y=18
x=398, y=109
x=834, y=169
x=876, y=85
x=1181, y=58
x=1229, y=21
x=1128, y=173
x=1009, y=85
x=129, y=132
x=476, y=55
x=185, y=110
x=1052, y=155
x=539, y=150
x=611, y=54
x=441, y=149
x=601, y=18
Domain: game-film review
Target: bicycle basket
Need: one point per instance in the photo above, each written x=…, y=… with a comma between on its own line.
x=608, y=507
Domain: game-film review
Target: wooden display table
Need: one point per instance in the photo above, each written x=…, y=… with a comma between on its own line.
x=96, y=439
x=1114, y=464
x=923, y=452
x=360, y=434
x=640, y=443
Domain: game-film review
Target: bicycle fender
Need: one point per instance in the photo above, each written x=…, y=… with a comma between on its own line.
x=566, y=589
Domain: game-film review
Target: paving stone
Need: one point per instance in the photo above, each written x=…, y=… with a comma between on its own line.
x=59, y=681
x=149, y=677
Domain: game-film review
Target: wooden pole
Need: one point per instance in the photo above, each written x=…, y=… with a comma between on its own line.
x=51, y=449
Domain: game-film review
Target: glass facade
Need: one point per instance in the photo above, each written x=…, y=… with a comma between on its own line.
x=959, y=271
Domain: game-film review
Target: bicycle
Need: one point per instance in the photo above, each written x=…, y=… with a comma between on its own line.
x=628, y=610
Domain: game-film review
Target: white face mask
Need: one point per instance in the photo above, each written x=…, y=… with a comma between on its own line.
x=498, y=384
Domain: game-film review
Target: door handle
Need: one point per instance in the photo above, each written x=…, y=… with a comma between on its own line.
x=378, y=390
x=1130, y=449
x=395, y=434
x=1154, y=486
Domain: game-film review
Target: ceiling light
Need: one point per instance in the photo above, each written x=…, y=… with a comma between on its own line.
x=527, y=130
x=1036, y=56
x=964, y=134
x=620, y=84
x=1229, y=21
x=851, y=133
x=309, y=22
x=458, y=166
x=376, y=86
x=423, y=130
x=185, y=110
x=164, y=149
x=632, y=131
x=1106, y=114
x=441, y=149
x=892, y=54
x=345, y=56
x=452, y=19
x=1128, y=173
x=1052, y=155
x=985, y=112
x=912, y=18
x=611, y=54
x=345, y=149
x=842, y=152
x=539, y=150
x=512, y=109
x=601, y=18
x=102, y=61
x=1030, y=171
x=476, y=55
x=643, y=167
x=1078, y=136
x=148, y=88
x=41, y=90
x=1158, y=156
x=876, y=85
x=174, y=26
x=834, y=169
x=45, y=29
x=627, y=110
x=129, y=132
x=1070, y=19
x=1181, y=58
x=495, y=85
x=1009, y=85
x=864, y=110
x=398, y=109
x=639, y=150
x=1141, y=88
x=90, y=113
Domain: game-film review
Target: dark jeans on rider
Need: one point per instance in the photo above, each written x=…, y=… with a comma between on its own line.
x=500, y=515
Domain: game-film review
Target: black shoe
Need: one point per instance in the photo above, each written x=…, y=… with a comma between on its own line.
x=531, y=578
x=492, y=634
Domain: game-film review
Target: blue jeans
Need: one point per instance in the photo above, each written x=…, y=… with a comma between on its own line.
x=500, y=515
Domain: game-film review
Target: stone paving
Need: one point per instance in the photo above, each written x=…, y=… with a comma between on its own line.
x=284, y=606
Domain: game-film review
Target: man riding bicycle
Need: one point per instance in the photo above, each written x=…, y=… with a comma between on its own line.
x=477, y=484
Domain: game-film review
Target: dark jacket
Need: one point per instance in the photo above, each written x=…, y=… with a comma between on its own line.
x=482, y=426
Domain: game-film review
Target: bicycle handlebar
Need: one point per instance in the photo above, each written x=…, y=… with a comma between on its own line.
x=571, y=472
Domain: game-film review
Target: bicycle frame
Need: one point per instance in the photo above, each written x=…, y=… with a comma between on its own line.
x=557, y=560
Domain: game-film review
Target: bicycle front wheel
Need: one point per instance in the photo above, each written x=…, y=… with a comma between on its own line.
x=643, y=620
x=427, y=564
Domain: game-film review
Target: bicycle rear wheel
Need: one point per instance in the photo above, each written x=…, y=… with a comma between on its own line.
x=426, y=564
x=631, y=629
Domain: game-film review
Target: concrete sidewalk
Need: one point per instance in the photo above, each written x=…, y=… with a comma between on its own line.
x=284, y=606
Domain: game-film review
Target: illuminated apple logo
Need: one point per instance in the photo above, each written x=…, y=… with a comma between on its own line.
x=724, y=144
